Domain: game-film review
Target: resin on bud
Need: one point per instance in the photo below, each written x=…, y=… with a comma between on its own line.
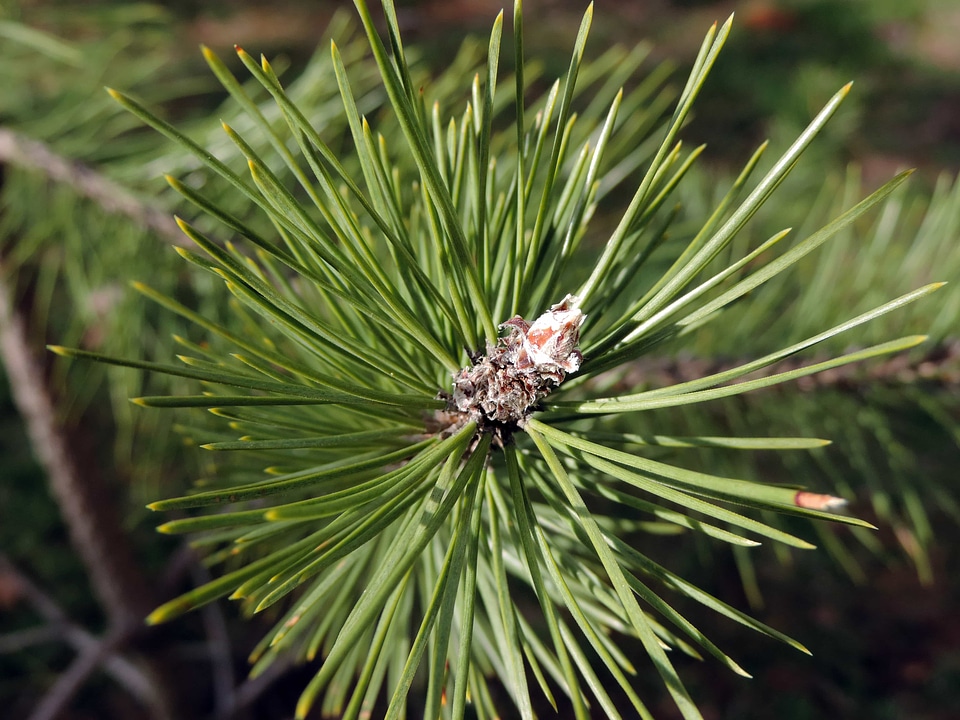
x=552, y=339
x=505, y=385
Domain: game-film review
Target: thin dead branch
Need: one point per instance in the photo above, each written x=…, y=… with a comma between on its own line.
x=218, y=638
x=73, y=678
x=85, y=500
x=250, y=690
x=81, y=493
x=60, y=628
x=18, y=149
x=939, y=365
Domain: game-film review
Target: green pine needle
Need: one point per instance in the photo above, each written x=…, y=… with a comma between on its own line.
x=397, y=475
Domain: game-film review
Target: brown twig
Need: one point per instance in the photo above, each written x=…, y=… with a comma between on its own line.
x=218, y=638
x=251, y=689
x=85, y=500
x=23, y=639
x=939, y=365
x=18, y=149
x=72, y=679
x=82, y=494
x=59, y=627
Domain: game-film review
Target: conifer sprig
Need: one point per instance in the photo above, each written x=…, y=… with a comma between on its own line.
x=433, y=260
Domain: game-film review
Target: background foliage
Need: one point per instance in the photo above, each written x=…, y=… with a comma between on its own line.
x=63, y=258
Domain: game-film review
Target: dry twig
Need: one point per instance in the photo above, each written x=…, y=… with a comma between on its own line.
x=17, y=149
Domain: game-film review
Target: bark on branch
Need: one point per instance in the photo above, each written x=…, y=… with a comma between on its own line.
x=82, y=495
x=85, y=500
x=18, y=149
x=939, y=365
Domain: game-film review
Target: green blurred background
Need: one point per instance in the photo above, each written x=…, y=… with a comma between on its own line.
x=881, y=621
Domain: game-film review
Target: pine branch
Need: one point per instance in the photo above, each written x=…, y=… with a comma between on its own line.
x=218, y=638
x=387, y=530
x=84, y=499
x=60, y=627
x=939, y=365
x=252, y=688
x=57, y=699
x=82, y=495
x=17, y=149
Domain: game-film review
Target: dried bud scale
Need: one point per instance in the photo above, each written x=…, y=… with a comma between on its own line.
x=504, y=386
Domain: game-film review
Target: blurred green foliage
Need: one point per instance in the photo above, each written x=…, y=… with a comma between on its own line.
x=65, y=253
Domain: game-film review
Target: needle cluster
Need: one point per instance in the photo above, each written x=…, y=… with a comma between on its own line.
x=398, y=524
